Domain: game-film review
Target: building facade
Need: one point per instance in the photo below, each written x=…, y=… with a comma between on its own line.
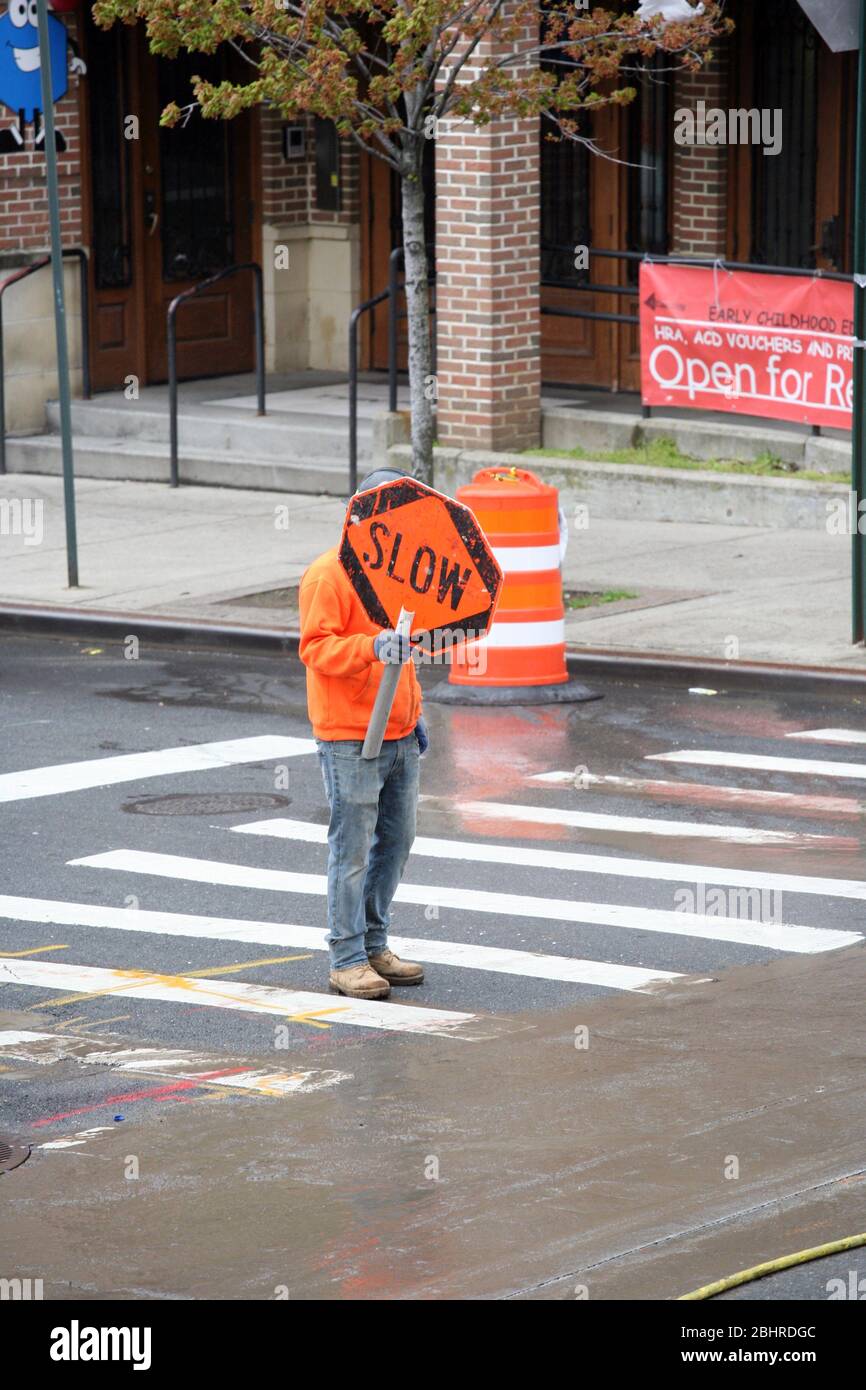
x=156, y=211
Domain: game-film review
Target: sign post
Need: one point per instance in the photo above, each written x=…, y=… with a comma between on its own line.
x=842, y=26
x=858, y=462
x=59, y=301
x=385, y=695
x=404, y=543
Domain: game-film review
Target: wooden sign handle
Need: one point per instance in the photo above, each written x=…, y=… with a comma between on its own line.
x=381, y=712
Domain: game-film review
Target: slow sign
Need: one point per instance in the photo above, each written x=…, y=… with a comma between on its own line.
x=404, y=545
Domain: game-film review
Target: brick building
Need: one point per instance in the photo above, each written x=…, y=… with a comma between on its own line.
x=157, y=210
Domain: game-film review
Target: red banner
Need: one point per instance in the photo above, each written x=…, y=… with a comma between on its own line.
x=779, y=346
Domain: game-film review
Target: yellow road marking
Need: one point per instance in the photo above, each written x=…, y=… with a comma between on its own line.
x=33, y=951
x=245, y=965
x=312, y=1015
x=140, y=977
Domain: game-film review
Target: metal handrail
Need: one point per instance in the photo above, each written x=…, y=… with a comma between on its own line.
x=171, y=330
x=13, y=279
x=353, y=382
x=391, y=294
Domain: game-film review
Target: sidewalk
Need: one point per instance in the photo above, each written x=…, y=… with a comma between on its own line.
x=726, y=592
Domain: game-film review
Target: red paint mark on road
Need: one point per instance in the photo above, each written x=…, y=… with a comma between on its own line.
x=151, y=1093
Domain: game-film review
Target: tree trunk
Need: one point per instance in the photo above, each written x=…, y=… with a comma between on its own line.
x=422, y=383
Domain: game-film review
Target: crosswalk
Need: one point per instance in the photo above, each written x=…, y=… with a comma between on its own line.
x=569, y=888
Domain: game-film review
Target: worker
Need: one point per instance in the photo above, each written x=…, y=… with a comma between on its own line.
x=373, y=801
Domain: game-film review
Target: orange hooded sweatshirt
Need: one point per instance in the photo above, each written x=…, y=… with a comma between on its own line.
x=342, y=671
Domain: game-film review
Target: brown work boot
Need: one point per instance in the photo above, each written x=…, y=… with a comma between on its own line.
x=395, y=970
x=360, y=982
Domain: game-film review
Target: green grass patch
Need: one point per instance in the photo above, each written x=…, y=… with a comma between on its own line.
x=585, y=598
x=664, y=453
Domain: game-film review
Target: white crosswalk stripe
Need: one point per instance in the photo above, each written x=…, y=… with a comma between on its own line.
x=475, y=852
x=130, y=767
x=631, y=825
x=707, y=794
x=231, y=994
x=831, y=735
x=759, y=762
x=775, y=936
x=464, y=955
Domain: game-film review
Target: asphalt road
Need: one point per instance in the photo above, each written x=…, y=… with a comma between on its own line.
x=715, y=857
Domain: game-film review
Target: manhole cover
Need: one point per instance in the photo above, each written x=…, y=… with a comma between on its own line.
x=12, y=1154
x=211, y=804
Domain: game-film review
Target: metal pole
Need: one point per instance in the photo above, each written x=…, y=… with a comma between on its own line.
x=393, y=291
x=384, y=701
x=858, y=461
x=85, y=325
x=260, y=337
x=172, y=390
x=2, y=394
x=59, y=301
x=353, y=399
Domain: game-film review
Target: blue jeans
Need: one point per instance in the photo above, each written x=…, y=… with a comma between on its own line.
x=373, y=808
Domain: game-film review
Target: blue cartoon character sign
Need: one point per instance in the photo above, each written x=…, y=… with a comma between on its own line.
x=20, y=77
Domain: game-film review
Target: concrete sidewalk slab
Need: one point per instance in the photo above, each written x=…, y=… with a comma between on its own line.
x=730, y=593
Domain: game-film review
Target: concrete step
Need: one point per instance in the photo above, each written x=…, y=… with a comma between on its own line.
x=148, y=461
x=300, y=437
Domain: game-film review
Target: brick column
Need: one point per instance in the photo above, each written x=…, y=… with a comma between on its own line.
x=488, y=191
x=700, y=172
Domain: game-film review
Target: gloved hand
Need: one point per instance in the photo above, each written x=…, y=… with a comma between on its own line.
x=422, y=735
x=391, y=648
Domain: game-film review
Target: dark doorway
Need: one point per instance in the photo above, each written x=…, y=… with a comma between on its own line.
x=168, y=208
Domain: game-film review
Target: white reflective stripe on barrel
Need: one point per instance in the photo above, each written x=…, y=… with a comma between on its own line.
x=503, y=634
x=527, y=559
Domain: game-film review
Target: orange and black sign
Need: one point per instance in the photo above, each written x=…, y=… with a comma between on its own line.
x=407, y=546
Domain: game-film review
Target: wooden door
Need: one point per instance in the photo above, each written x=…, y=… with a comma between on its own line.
x=197, y=219
x=109, y=178
x=793, y=208
x=168, y=209
x=381, y=231
x=580, y=207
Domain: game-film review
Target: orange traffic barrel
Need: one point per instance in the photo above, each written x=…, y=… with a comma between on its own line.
x=522, y=658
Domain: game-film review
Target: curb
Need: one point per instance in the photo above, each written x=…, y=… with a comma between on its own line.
x=194, y=632
x=597, y=662
x=625, y=492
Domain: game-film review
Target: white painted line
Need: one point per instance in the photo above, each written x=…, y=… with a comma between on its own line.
x=75, y=1141
x=230, y=994
x=832, y=735
x=777, y=937
x=454, y=953
x=533, y=856
x=45, y=1049
x=630, y=825
x=710, y=793
x=757, y=762
x=132, y=767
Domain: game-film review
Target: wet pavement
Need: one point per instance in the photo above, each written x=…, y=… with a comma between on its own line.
x=635, y=1065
